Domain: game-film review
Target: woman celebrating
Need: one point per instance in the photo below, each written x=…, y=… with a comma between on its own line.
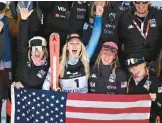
x=32, y=65
x=142, y=82
x=74, y=63
x=105, y=77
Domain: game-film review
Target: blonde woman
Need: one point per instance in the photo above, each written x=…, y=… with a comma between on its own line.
x=143, y=82
x=105, y=77
x=74, y=63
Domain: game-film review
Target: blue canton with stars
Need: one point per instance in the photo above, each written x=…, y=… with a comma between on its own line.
x=39, y=106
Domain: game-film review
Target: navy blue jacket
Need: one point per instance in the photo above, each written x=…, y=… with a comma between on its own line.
x=102, y=81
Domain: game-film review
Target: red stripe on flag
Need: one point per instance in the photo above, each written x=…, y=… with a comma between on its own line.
x=71, y=120
x=107, y=98
x=107, y=110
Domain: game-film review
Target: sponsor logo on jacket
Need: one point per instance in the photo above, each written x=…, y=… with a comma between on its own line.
x=60, y=8
x=110, y=26
x=112, y=16
x=81, y=9
x=93, y=75
x=158, y=104
x=111, y=87
x=92, y=84
x=91, y=20
x=68, y=72
x=147, y=84
x=41, y=73
x=130, y=26
x=159, y=89
x=153, y=23
x=124, y=84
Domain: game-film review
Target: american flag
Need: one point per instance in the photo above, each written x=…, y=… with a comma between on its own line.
x=40, y=106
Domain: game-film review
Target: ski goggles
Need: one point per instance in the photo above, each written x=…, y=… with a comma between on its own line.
x=35, y=48
x=134, y=61
x=143, y=2
x=109, y=50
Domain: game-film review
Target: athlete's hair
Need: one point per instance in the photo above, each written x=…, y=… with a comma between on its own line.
x=159, y=65
x=83, y=58
x=113, y=65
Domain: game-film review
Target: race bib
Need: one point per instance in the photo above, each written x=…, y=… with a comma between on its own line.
x=75, y=85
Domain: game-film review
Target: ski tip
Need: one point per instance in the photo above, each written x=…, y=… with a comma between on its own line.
x=54, y=37
x=55, y=34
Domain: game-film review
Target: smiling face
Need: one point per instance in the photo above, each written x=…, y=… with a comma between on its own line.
x=141, y=8
x=37, y=52
x=138, y=70
x=74, y=47
x=108, y=53
x=107, y=59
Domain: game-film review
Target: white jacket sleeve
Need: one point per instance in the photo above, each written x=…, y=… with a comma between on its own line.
x=47, y=81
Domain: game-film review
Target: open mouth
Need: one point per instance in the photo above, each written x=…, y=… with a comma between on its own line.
x=74, y=51
x=37, y=56
x=99, y=4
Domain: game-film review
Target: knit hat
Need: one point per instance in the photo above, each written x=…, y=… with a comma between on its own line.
x=3, y=6
x=73, y=35
x=134, y=60
x=37, y=41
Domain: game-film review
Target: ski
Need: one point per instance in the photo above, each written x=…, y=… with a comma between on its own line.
x=54, y=59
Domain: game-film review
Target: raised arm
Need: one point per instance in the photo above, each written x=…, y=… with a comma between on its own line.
x=23, y=33
x=96, y=32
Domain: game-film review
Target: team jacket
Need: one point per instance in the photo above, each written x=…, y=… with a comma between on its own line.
x=63, y=18
x=102, y=80
x=141, y=88
x=152, y=67
x=159, y=95
x=2, y=43
x=29, y=75
x=134, y=42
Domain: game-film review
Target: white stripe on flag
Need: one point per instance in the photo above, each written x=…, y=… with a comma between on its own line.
x=13, y=104
x=95, y=116
x=97, y=104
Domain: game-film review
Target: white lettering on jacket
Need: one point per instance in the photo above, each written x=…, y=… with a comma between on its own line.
x=81, y=10
x=61, y=8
